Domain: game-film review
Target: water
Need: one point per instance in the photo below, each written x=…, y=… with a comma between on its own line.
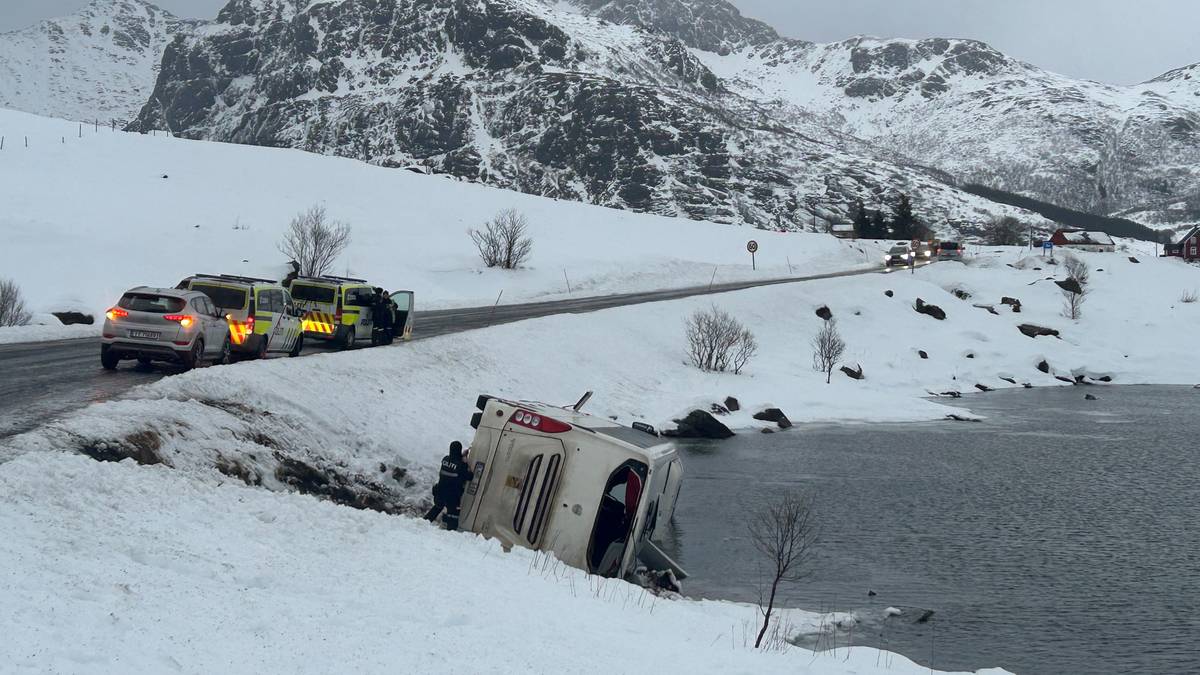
x=1059, y=536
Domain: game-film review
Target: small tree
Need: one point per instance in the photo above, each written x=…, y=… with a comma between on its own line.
x=785, y=532
x=12, y=305
x=828, y=348
x=862, y=222
x=314, y=241
x=1005, y=231
x=879, y=228
x=903, y=221
x=717, y=342
x=504, y=240
x=1077, y=270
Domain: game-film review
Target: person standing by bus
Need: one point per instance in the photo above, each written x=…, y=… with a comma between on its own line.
x=452, y=481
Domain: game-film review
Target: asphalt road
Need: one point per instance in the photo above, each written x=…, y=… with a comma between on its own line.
x=40, y=381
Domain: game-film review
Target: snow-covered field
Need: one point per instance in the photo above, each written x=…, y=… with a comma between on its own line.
x=151, y=210
x=202, y=568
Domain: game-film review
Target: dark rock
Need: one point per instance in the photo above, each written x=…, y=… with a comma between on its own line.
x=824, y=312
x=1012, y=302
x=929, y=310
x=732, y=404
x=1104, y=378
x=1044, y=367
x=699, y=424
x=989, y=308
x=1134, y=260
x=1034, y=331
x=961, y=294
x=1064, y=379
x=889, y=293
x=1099, y=269
x=1091, y=397
x=951, y=394
x=768, y=430
x=73, y=318
x=983, y=387
x=1008, y=380
x=970, y=355
x=774, y=415
x=1070, y=286
x=856, y=374
x=718, y=409
x=960, y=418
x=927, y=614
x=871, y=594
x=922, y=353
x=1027, y=385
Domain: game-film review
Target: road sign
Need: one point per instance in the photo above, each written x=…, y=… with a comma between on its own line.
x=1047, y=245
x=752, y=246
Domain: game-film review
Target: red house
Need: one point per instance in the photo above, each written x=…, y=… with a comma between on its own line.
x=1188, y=247
x=1084, y=241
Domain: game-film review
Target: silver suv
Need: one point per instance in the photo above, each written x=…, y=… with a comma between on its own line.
x=164, y=324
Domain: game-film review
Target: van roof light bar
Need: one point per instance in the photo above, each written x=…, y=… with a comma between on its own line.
x=236, y=277
x=330, y=276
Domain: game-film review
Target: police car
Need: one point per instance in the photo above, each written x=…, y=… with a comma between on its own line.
x=156, y=324
x=341, y=310
x=263, y=318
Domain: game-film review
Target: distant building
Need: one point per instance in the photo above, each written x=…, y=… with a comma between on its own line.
x=843, y=230
x=1084, y=241
x=1188, y=246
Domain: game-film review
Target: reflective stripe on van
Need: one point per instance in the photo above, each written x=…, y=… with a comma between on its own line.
x=318, y=322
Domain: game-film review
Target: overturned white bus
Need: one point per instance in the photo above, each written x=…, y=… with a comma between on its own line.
x=587, y=489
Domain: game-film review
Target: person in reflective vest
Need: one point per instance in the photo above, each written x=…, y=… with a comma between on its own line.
x=452, y=481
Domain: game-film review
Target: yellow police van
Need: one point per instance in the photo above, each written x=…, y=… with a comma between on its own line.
x=341, y=310
x=263, y=318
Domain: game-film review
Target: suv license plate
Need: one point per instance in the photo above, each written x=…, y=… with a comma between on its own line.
x=144, y=334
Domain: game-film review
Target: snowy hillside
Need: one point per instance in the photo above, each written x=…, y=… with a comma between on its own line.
x=150, y=210
x=96, y=64
x=963, y=107
x=541, y=98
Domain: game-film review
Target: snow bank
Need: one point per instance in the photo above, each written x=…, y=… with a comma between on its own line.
x=86, y=219
x=155, y=571
x=47, y=332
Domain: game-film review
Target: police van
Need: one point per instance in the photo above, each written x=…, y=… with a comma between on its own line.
x=595, y=493
x=263, y=319
x=341, y=310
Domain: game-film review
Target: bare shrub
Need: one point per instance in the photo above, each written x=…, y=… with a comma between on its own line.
x=504, y=240
x=717, y=342
x=1077, y=270
x=12, y=305
x=828, y=348
x=1189, y=297
x=314, y=241
x=785, y=532
x=1005, y=231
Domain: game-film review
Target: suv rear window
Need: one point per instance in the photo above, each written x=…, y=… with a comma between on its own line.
x=225, y=298
x=151, y=302
x=313, y=293
x=950, y=245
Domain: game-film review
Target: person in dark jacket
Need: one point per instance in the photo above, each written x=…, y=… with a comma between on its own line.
x=448, y=492
x=383, y=313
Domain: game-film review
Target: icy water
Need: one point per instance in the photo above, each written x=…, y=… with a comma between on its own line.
x=1059, y=536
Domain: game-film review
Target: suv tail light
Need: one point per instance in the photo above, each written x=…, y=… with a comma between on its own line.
x=115, y=313
x=530, y=420
x=184, y=320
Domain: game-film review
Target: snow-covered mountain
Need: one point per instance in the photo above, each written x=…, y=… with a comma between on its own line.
x=545, y=99
x=100, y=63
x=984, y=117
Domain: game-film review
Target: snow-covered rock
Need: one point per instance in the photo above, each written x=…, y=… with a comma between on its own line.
x=98, y=64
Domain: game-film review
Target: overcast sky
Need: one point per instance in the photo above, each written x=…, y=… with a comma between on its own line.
x=1118, y=41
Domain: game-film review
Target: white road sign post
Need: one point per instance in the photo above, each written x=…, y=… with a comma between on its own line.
x=752, y=246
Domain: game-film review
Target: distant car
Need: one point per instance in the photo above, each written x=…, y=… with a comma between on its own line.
x=897, y=255
x=924, y=251
x=164, y=324
x=949, y=250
